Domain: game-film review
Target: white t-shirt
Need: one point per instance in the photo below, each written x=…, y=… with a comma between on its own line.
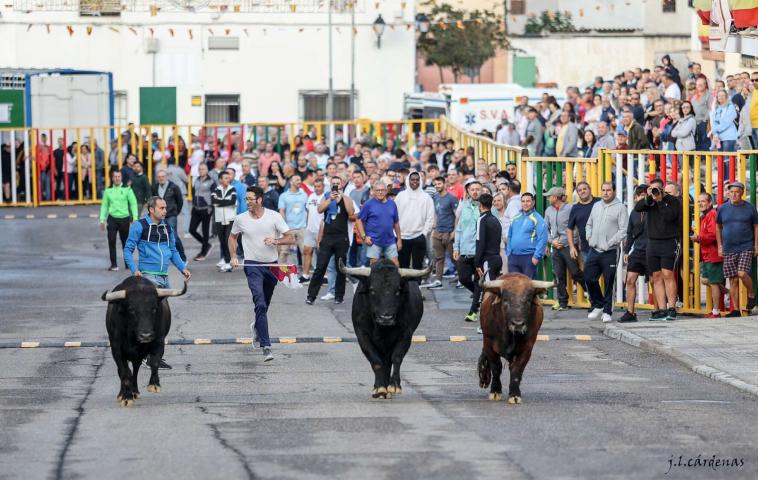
x=270, y=225
x=314, y=218
x=673, y=91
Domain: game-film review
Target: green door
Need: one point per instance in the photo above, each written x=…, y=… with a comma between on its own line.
x=524, y=71
x=157, y=105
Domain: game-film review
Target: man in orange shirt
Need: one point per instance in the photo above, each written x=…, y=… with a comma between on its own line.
x=454, y=185
x=267, y=158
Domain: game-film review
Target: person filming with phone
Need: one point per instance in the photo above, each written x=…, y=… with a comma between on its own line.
x=663, y=223
x=336, y=208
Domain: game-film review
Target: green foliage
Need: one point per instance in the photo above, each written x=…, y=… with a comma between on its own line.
x=461, y=40
x=549, y=21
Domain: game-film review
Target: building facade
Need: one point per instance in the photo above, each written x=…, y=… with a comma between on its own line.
x=247, y=61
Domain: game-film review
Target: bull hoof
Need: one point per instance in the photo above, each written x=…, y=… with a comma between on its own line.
x=127, y=403
x=379, y=392
x=496, y=396
x=119, y=397
x=154, y=388
x=394, y=390
x=514, y=400
x=136, y=395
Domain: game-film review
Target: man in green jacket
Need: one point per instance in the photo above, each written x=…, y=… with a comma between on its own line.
x=118, y=209
x=140, y=186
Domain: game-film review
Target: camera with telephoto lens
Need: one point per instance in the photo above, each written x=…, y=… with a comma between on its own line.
x=656, y=191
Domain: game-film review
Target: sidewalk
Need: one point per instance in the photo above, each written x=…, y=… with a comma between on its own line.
x=722, y=349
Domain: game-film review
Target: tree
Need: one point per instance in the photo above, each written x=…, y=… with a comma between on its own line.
x=461, y=40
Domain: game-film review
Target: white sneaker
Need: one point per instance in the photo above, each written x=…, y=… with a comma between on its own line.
x=607, y=318
x=225, y=268
x=595, y=314
x=479, y=330
x=328, y=296
x=221, y=263
x=435, y=285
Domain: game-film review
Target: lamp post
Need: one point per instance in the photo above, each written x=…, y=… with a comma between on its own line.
x=423, y=23
x=378, y=27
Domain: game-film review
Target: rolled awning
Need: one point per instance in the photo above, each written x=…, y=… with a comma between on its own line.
x=744, y=12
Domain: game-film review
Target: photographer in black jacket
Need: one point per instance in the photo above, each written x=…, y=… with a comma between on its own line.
x=663, y=221
x=635, y=254
x=171, y=193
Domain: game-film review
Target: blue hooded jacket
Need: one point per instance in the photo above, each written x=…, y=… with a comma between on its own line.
x=157, y=247
x=527, y=235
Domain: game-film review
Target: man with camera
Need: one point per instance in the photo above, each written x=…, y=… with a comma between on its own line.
x=336, y=209
x=663, y=222
x=737, y=240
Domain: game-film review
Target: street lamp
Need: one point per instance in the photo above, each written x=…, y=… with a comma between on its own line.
x=422, y=23
x=378, y=27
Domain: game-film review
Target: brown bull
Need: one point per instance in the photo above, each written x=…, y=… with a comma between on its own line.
x=511, y=317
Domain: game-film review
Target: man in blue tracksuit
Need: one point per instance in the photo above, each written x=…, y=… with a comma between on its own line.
x=527, y=239
x=156, y=243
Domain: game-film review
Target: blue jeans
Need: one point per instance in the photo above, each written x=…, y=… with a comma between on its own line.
x=261, y=282
x=160, y=281
x=728, y=146
x=44, y=178
x=375, y=251
x=331, y=276
x=754, y=138
x=522, y=264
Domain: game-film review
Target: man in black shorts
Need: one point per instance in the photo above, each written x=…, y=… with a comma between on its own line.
x=635, y=254
x=663, y=221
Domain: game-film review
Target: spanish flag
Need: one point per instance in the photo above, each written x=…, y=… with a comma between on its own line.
x=744, y=12
x=287, y=275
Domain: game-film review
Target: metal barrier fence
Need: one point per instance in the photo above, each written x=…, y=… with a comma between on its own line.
x=71, y=166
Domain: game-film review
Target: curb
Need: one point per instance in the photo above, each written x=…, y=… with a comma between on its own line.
x=686, y=360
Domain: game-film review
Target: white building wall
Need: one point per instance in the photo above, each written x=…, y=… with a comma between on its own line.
x=275, y=61
x=576, y=60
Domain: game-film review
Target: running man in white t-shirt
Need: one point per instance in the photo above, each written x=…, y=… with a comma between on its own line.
x=264, y=230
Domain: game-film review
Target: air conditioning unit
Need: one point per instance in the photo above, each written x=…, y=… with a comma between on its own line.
x=152, y=45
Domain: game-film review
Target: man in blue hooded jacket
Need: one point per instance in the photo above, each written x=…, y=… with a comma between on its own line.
x=156, y=243
x=527, y=239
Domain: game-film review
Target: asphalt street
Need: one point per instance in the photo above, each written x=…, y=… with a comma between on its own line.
x=592, y=409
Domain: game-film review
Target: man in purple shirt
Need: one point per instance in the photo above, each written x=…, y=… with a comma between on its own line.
x=378, y=226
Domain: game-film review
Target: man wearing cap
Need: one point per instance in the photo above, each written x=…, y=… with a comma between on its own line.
x=557, y=217
x=416, y=210
x=737, y=239
x=663, y=221
x=464, y=245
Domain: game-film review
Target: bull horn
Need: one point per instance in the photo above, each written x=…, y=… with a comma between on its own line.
x=409, y=273
x=354, y=271
x=492, y=284
x=539, y=284
x=114, y=296
x=172, y=292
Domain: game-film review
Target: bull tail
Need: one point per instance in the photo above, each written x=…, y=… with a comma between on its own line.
x=485, y=372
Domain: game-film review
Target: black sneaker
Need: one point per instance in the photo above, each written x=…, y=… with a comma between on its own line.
x=671, y=314
x=658, y=315
x=559, y=308
x=733, y=314
x=628, y=317
x=163, y=365
x=304, y=280
x=750, y=303
x=339, y=300
x=309, y=300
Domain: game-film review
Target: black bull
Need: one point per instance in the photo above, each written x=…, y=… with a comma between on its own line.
x=387, y=309
x=138, y=320
x=511, y=317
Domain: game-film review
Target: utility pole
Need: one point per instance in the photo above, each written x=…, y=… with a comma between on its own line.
x=330, y=94
x=352, y=61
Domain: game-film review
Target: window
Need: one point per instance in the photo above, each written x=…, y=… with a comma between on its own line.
x=518, y=7
x=100, y=8
x=669, y=6
x=314, y=105
x=222, y=109
x=120, y=107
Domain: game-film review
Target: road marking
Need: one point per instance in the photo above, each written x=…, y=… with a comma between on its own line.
x=30, y=216
x=281, y=340
x=52, y=215
x=93, y=215
x=10, y=217
x=73, y=215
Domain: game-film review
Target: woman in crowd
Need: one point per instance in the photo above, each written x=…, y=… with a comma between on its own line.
x=723, y=127
x=683, y=127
